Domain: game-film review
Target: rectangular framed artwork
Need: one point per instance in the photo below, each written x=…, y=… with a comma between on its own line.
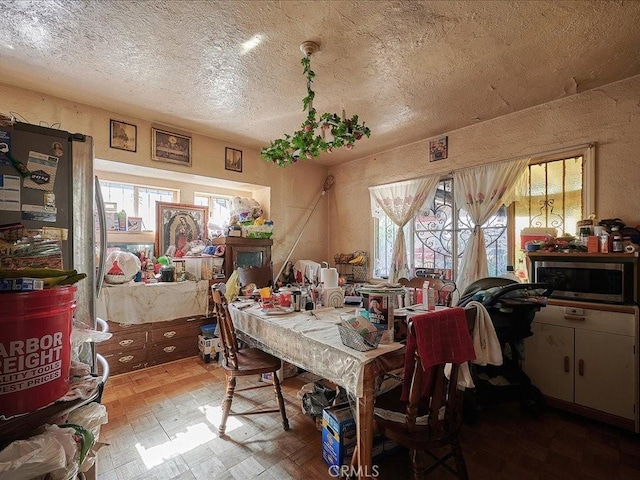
x=233, y=159
x=178, y=225
x=170, y=147
x=438, y=149
x=124, y=136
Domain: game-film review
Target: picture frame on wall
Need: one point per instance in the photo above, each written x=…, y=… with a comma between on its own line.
x=124, y=136
x=178, y=225
x=438, y=149
x=170, y=147
x=233, y=159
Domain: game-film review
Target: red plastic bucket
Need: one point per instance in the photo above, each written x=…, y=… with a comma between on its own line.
x=35, y=348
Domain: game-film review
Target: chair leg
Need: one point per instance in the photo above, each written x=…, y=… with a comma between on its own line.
x=458, y=457
x=278, y=391
x=226, y=403
x=418, y=464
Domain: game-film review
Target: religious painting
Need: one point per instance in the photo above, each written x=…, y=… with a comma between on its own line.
x=179, y=227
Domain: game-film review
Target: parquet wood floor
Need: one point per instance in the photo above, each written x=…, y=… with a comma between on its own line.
x=163, y=425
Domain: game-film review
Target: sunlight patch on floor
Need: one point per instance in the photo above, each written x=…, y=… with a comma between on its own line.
x=194, y=436
x=214, y=415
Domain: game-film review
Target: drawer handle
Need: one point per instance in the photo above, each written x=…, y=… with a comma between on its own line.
x=577, y=318
x=125, y=325
x=125, y=343
x=169, y=349
x=170, y=334
x=125, y=359
x=581, y=367
x=566, y=364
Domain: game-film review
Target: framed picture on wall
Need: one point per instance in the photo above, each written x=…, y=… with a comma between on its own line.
x=233, y=159
x=178, y=225
x=170, y=147
x=124, y=136
x=438, y=149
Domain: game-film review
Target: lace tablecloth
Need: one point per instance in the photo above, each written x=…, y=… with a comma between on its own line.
x=311, y=341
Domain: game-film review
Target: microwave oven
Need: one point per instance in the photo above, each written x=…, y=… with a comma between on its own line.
x=609, y=282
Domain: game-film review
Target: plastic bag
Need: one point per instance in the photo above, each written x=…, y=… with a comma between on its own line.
x=232, y=289
x=52, y=452
x=127, y=262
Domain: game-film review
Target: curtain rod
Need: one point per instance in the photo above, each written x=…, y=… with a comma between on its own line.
x=540, y=154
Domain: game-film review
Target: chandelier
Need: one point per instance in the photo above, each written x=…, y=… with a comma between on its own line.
x=319, y=132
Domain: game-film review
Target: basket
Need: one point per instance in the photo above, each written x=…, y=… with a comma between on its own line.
x=353, y=339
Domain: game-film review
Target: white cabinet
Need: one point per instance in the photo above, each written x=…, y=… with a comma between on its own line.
x=585, y=354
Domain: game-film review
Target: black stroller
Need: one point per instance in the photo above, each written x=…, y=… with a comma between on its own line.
x=512, y=307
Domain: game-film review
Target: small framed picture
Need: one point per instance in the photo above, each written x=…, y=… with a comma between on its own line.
x=170, y=147
x=438, y=149
x=233, y=159
x=124, y=136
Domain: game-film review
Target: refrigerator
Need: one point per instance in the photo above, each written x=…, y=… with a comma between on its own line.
x=47, y=183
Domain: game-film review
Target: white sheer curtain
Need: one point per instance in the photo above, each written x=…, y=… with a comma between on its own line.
x=481, y=191
x=400, y=202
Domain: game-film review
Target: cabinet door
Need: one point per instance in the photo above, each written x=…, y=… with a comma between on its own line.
x=549, y=360
x=605, y=372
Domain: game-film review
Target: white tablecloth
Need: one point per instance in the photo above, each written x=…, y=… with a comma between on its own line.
x=153, y=302
x=310, y=342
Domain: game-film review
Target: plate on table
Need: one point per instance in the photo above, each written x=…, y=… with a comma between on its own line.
x=277, y=311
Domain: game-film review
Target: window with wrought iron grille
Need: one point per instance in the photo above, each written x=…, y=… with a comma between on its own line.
x=559, y=192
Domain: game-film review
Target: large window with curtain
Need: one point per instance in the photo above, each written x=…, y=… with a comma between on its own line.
x=438, y=235
x=557, y=192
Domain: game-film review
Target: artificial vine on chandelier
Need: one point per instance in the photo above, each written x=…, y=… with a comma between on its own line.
x=306, y=143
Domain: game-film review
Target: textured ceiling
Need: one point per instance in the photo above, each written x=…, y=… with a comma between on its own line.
x=410, y=70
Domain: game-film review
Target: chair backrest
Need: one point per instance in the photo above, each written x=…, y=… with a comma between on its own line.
x=443, y=404
x=260, y=276
x=228, y=340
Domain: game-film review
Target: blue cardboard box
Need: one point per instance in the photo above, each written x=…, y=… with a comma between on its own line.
x=338, y=435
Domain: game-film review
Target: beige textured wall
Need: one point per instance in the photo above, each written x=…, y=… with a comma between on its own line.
x=292, y=191
x=608, y=116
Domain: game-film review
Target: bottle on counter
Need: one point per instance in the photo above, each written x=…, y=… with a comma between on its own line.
x=616, y=240
x=511, y=274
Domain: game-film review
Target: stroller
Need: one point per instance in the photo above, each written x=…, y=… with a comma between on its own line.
x=512, y=307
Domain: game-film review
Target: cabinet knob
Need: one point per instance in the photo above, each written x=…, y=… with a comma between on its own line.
x=170, y=334
x=125, y=343
x=125, y=359
x=169, y=349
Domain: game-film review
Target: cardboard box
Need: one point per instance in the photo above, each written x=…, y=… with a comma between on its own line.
x=21, y=284
x=338, y=435
x=208, y=347
x=134, y=224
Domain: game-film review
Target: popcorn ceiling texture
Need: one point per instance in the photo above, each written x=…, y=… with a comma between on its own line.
x=411, y=70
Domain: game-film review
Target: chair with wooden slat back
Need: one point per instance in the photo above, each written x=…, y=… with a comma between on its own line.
x=427, y=421
x=243, y=362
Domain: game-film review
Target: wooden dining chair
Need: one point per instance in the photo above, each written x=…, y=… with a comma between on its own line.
x=241, y=363
x=428, y=422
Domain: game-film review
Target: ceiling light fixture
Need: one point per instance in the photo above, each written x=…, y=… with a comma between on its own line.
x=335, y=131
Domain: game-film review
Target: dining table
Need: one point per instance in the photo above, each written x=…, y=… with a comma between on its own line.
x=311, y=340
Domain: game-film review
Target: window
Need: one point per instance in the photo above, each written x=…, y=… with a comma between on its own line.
x=219, y=208
x=137, y=200
x=558, y=193
x=438, y=235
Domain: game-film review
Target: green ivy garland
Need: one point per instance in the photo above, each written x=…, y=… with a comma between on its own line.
x=304, y=143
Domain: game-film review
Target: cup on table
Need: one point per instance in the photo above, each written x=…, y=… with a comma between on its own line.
x=284, y=299
x=266, y=298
